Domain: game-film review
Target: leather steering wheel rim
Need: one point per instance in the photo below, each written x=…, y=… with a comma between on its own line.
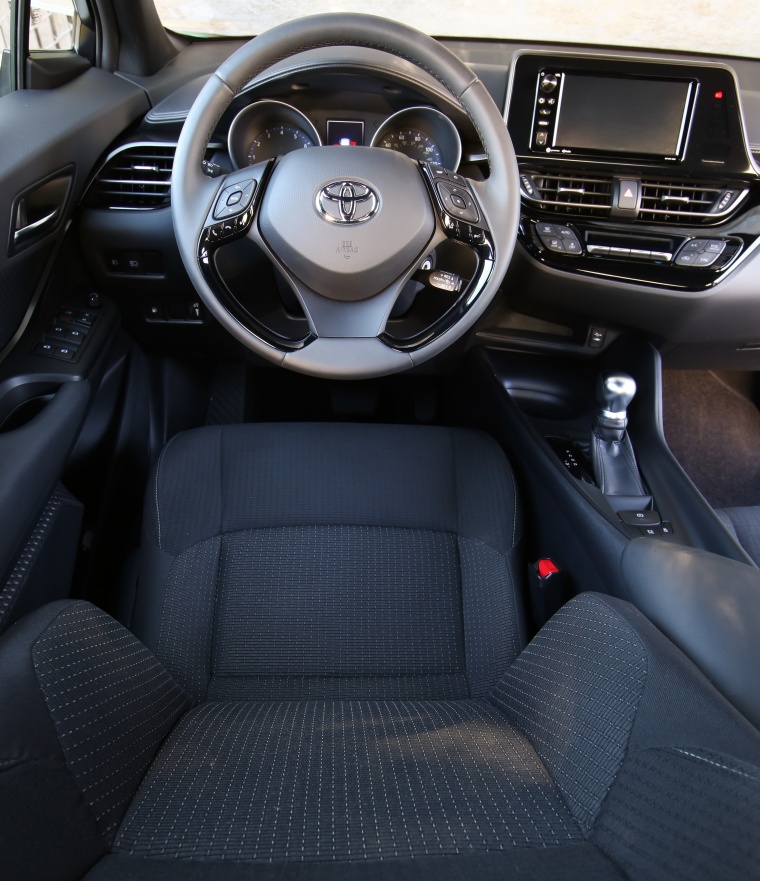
x=193, y=193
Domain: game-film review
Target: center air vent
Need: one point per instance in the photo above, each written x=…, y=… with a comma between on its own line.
x=137, y=176
x=588, y=195
x=686, y=202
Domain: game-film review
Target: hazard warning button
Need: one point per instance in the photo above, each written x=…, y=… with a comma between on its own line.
x=628, y=195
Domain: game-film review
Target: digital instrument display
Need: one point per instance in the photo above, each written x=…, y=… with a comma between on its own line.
x=646, y=117
x=345, y=133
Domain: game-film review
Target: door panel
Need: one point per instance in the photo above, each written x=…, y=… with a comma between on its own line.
x=43, y=132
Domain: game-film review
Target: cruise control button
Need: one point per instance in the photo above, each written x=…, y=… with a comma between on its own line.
x=445, y=281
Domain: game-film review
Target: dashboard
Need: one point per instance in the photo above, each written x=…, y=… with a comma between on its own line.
x=640, y=193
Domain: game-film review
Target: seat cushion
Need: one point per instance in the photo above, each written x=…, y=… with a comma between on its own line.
x=331, y=561
x=344, y=780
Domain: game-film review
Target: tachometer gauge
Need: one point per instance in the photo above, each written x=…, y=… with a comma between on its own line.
x=413, y=143
x=423, y=133
x=276, y=140
x=267, y=129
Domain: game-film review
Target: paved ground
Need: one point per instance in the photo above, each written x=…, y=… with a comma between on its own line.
x=728, y=27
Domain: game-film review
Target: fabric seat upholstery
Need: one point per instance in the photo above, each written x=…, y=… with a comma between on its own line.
x=346, y=561
x=335, y=682
x=744, y=525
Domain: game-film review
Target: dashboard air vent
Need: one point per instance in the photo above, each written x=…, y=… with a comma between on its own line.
x=137, y=176
x=686, y=202
x=589, y=195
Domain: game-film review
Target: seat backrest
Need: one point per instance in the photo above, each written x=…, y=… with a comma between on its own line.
x=343, y=561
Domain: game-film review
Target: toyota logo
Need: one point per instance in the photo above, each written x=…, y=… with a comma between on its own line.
x=347, y=201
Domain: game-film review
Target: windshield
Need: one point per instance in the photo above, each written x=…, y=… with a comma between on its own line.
x=730, y=27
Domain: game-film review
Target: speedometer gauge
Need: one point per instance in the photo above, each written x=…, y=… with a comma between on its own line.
x=422, y=133
x=413, y=143
x=276, y=141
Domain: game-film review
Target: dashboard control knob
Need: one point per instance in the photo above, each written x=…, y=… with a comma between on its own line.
x=549, y=83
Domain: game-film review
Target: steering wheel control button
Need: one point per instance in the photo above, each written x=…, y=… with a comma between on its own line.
x=445, y=281
x=640, y=518
x=234, y=199
x=457, y=201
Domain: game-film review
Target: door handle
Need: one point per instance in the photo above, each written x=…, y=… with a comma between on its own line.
x=39, y=226
x=39, y=210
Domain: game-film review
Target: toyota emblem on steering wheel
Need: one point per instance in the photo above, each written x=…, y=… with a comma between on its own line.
x=347, y=201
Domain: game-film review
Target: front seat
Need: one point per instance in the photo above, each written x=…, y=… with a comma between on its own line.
x=327, y=678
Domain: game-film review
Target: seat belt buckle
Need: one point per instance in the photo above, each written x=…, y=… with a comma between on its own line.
x=548, y=589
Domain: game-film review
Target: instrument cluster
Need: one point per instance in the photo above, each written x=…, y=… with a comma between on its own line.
x=267, y=129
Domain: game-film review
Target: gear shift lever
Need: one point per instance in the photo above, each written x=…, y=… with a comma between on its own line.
x=612, y=455
x=614, y=392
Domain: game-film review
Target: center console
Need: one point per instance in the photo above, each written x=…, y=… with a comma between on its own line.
x=631, y=168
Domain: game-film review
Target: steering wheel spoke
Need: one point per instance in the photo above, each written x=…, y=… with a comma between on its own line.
x=236, y=198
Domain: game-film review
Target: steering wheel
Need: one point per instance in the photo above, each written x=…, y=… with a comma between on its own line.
x=349, y=228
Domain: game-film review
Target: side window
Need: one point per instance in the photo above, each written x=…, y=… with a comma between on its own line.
x=5, y=46
x=52, y=26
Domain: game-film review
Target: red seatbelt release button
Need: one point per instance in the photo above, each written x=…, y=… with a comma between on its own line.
x=546, y=567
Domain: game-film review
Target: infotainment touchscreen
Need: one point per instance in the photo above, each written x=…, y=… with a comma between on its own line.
x=622, y=115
